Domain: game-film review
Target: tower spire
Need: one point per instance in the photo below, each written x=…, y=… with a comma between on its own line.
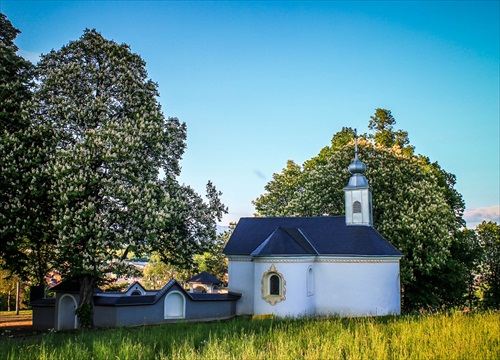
x=355, y=143
x=358, y=197
x=357, y=166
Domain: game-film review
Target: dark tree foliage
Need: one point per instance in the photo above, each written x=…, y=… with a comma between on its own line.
x=25, y=240
x=489, y=237
x=382, y=123
x=16, y=76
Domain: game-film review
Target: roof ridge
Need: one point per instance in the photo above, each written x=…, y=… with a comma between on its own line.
x=303, y=237
x=160, y=293
x=264, y=243
x=308, y=241
x=291, y=217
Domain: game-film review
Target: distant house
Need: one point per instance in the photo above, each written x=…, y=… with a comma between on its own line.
x=295, y=266
x=135, y=306
x=203, y=282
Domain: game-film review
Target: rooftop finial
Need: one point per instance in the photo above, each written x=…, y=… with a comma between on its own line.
x=355, y=143
x=356, y=167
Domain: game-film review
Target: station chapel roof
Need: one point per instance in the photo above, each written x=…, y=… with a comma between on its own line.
x=204, y=278
x=152, y=297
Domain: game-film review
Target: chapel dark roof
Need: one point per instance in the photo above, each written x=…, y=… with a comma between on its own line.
x=306, y=236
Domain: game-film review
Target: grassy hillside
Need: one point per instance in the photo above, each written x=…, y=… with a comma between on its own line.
x=437, y=336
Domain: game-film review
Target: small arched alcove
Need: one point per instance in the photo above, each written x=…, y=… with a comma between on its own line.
x=310, y=281
x=175, y=305
x=66, y=313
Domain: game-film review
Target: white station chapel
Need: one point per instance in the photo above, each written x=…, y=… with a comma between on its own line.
x=326, y=265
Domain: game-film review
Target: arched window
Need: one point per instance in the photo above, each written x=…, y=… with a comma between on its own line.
x=136, y=293
x=356, y=207
x=274, y=285
x=310, y=281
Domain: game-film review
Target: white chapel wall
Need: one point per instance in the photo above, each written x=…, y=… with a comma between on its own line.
x=297, y=302
x=241, y=280
x=355, y=288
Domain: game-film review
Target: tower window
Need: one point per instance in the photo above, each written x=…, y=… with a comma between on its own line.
x=356, y=207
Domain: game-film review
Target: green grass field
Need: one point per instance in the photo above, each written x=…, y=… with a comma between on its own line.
x=13, y=313
x=452, y=335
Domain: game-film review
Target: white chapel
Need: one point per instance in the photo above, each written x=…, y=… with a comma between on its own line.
x=326, y=265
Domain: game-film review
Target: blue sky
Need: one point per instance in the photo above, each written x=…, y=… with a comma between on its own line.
x=259, y=83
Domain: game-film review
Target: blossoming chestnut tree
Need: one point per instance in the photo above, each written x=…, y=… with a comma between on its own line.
x=109, y=144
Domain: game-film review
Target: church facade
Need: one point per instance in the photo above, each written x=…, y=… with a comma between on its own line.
x=306, y=266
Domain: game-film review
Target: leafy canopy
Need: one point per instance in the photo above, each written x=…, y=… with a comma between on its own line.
x=24, y=236
x=111, y=140
x=489, y=237
x=15, y=78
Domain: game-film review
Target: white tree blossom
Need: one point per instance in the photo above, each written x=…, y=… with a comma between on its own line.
x=109, y=141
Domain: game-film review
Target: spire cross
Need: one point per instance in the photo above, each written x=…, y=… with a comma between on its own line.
x=355, y=142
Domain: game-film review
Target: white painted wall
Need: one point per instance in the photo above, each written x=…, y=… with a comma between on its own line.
x=341, y=287
x=364, y=196
x=241, y=280
x=297, y=301
x=356, y=289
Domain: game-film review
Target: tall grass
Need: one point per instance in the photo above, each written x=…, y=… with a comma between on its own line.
x=441, y=336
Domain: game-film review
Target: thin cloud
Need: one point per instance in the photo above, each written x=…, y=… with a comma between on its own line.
x=260, y=175
x=476, y=216
x=30, y=56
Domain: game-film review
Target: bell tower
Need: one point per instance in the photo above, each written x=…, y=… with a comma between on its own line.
x=358, y=195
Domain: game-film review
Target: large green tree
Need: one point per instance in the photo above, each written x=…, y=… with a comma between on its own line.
x=26, y=231
x=24, y=237
x=382, y=123
x=489, y=237
x=15, y=78
x=415, y=204
x=214, y=261
x=108, y=141
x=156, y=274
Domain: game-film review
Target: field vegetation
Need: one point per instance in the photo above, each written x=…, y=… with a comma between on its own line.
x=450, y=335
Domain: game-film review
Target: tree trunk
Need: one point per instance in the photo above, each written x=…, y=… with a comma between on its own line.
x=18, y=290
x=8, y=300
x=471, y=291
x=85, y=309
